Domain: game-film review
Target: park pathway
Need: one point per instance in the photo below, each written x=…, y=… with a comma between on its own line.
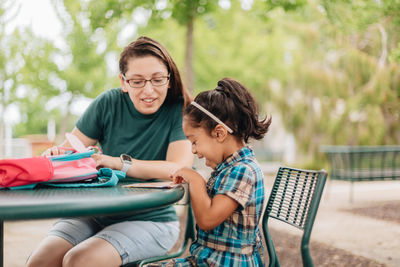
x=338, y=227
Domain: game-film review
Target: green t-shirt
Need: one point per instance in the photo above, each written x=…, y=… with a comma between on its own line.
x=113, y=120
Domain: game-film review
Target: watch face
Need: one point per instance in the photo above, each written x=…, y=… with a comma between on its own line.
x=126, y=157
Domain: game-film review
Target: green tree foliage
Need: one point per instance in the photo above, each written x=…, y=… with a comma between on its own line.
x=240, y=53
x=182, y=11
x=342, y=87
x=287, y=5
x=35, y=85
x=83, y=69
x=26, y=71
x=49, y=80
x=329, y=68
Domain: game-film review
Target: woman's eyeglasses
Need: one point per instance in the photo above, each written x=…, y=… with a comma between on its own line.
x=139, y=83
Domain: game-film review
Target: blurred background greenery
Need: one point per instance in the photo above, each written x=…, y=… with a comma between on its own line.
x=326, y=70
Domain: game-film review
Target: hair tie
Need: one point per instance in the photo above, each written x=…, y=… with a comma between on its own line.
x=220, y=89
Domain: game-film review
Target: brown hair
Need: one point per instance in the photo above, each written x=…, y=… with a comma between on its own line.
x=145, y=46
x=234, y=105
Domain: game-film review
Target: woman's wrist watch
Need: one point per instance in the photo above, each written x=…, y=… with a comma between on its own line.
x=126, y=162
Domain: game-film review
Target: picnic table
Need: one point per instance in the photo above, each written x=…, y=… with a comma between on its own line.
x=47, y=203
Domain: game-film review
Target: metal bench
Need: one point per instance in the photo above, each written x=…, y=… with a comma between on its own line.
x=363, y=163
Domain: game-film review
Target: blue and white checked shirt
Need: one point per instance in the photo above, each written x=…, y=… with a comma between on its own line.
x=236, y=241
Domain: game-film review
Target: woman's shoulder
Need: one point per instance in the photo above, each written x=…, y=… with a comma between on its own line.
x=111, y=93
x=178, y=102
x=109, y=96
x=175, y=106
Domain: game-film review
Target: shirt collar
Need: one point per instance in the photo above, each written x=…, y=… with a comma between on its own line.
x=244, y=152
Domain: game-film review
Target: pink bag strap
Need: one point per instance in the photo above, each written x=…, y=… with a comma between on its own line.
x=77, y=145
x=70, y=150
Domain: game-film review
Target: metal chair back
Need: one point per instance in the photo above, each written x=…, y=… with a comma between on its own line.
x=294, y=199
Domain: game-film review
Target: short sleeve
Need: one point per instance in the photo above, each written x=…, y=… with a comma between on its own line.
x=239, y=185
x=177, y=133
x=90, y=123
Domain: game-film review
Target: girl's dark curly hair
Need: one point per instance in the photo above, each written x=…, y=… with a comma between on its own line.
x=234, y=105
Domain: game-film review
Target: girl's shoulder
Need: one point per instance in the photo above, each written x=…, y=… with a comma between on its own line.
x=246, y=168
x=241, y=159
x=245, y=165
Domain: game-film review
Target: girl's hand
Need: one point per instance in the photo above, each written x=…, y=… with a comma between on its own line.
x=177, y=179
x=105, y=161
x=185, y=174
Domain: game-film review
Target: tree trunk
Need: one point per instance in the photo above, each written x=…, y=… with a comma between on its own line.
x=189, y=74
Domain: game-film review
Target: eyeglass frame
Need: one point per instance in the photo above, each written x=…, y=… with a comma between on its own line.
x=145, y=81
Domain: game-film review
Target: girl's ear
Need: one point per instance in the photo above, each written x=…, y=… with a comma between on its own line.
x=220, y=133
x=123, y=84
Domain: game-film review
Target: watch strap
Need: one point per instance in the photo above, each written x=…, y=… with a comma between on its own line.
x=126, y=162
x=125, y=166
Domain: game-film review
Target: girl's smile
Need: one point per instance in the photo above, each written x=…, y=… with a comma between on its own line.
x=203, y=144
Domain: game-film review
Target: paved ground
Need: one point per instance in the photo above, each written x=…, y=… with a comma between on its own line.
x=361, y=235
x=365, y=236
x=372, y=238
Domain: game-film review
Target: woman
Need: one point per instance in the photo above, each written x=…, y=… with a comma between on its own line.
x=139, y=128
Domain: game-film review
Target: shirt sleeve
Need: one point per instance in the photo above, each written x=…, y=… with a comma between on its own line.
x=239, y=185
x=177, y=133
x=90, y=123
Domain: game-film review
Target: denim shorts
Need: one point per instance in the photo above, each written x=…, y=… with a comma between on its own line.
x=134, y=240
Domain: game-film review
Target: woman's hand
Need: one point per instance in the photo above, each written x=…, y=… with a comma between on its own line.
x=105, y=161
x=185, y=174
x=54, y=151
x=66, y=146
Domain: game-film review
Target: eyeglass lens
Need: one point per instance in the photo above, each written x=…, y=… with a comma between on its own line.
x=139, y=83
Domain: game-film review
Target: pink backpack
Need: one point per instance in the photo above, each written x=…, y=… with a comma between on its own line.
x=61, y=170
x=18, y=172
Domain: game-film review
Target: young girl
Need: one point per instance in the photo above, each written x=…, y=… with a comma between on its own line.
x=228, y=206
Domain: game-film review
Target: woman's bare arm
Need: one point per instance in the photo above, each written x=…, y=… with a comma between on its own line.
x=178, y=155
